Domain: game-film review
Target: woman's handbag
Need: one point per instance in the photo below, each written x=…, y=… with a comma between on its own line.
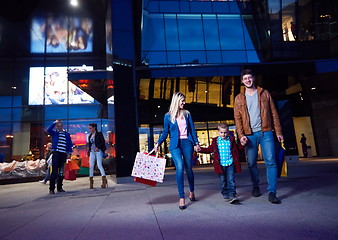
x=148, y=167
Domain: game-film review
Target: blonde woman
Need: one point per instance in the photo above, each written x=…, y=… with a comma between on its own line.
x=183, y=142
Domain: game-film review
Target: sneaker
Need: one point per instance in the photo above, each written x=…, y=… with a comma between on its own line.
x=233, y=199
x=61, y=190
x=256, y=192
x=273, y=198
x=42, y=181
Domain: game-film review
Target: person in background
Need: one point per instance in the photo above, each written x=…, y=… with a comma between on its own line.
x=183, y=142
x=48, y=154
x=256, y=116
x=97, y=147
x=226, y=161
x=62, y=149
x=304, y=145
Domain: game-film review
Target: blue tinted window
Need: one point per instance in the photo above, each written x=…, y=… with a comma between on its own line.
x=200, y=7
x=151, y=6
x=153, y=33
x=190, y=32
x=174, y=57
x=16, y=114
x=171, y=32
x=185, y=7
x=220, y=7
x=211, y=32
x=234, y=56
x=5, y=114
x=231, y=32
x=81, y=111
x=57, y=112
x=169, y=6
x=214, y=56
x=234, y=7
x=17, y=101
x=252, y=56
x=193, y=57
x=6, y=101
x=156, y=57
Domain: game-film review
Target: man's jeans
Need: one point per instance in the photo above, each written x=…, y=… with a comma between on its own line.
x=227, y=180
x=266, y=140
x=58, y=160
x=185, y=148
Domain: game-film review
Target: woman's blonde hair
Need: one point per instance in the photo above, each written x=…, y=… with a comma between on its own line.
x=174, y=109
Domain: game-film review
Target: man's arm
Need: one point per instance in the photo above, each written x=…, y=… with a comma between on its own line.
x=238, y=119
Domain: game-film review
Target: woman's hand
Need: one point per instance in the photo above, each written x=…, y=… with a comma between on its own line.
x=156, y=147
x=197, y=148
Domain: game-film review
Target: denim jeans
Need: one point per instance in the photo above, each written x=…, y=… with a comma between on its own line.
x=95, y=156
x=58, y=162
x=266, y=140
x=182, y=156
x=227, y=180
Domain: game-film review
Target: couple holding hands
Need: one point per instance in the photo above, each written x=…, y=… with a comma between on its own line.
x=256, y=118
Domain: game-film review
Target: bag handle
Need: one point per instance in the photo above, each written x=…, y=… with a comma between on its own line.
x=152, y=152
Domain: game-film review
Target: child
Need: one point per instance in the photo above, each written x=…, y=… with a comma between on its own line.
x=226, y=161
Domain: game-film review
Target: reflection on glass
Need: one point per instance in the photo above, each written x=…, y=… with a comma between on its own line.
x=61, y=34
x=54, y=90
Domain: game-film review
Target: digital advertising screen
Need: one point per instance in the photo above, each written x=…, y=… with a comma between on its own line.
x=61, y=35
x=53, y=87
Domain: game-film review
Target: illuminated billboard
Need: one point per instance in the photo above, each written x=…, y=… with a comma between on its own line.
x=61, y=35
x=53, y=88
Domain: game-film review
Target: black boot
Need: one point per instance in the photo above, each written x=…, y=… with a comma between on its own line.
x=59, y=184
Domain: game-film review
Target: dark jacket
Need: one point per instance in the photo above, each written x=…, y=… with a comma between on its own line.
x=268, y=113
x=173, y=129
x=99, y=140
x=213, y=148
x=55, y=138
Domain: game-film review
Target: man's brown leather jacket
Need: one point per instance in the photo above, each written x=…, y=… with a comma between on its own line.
x=268, y=113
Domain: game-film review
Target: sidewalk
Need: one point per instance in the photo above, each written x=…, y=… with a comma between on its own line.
x=134, y=211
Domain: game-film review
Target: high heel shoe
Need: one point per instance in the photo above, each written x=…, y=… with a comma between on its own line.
x=193, y=199
x=182, y=207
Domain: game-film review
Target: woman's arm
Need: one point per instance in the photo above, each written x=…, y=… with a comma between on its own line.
x=166, y=129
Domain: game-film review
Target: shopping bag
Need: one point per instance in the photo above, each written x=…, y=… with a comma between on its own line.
x=280, y=160
x=85, y=162
x=145, y=181
x=195, y=161
x=72, y=165
x=149, y=167
x=69, y=174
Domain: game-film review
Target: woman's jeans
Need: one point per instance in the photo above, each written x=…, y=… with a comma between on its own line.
x=95, y=156
x=266, y=140
x=182, y=156
x=227, y=180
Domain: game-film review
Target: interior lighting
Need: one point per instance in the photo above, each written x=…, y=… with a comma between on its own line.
x=74, y=3
x=313, y=88
x=9, y=136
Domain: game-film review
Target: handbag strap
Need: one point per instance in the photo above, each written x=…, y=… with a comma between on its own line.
x=152, y=152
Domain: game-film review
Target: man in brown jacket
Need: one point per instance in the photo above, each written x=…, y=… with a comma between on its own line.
x=256, y=116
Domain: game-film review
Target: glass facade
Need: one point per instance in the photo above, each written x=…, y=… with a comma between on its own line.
x=36, y=90
x=197, y=32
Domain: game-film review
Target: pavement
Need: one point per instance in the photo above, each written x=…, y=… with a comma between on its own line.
x=135, y=211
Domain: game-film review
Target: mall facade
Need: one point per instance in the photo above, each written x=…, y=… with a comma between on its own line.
x=118, y=62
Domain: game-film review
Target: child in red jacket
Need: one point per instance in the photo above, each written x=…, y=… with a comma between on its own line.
x=226, y=161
